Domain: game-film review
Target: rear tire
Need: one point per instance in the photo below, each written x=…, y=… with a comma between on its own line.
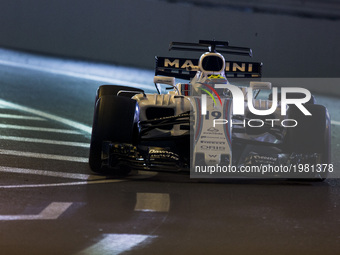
x=114, y=120
x=311, y=135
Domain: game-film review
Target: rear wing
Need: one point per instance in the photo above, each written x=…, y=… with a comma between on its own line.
x=185, y=68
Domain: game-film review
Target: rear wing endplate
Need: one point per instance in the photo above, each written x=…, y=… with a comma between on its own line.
x=185, y=68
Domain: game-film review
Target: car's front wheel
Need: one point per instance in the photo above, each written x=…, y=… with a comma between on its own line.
x=113, y=121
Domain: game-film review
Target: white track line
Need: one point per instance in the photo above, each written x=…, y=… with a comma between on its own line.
x=21, y=117
x=140, y=175
x=75, y=74
x=46, y=185
x=45, y=141
x=115, y=244
x=334, y=122
x=82, y=177
x=51, y=212
x=68, y=122
x=43, y=156
x=40, y=129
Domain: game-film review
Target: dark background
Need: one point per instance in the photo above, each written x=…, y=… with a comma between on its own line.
x=292, y=38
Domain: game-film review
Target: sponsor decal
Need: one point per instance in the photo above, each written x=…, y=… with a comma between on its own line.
x=213, y=147
x=163, y=154
x=213, y=130
x=213, y=142
x=230, y=66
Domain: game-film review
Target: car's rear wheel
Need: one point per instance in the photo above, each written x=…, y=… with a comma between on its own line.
x=114, y=121
x=311, y=135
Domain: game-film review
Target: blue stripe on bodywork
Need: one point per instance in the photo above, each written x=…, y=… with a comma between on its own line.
x=199, y=119
x=226, y=116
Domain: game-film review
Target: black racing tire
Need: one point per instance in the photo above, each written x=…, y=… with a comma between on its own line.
x=114, y=120
x=293, y=95
x=311, y=135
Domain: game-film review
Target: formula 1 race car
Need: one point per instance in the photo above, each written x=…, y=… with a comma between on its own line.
x=208, y=122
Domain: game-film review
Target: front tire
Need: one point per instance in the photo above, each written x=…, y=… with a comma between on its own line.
x=114, y=121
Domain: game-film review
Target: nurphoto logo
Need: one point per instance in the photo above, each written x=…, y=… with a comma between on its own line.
x=238, y=100
x=238, y=105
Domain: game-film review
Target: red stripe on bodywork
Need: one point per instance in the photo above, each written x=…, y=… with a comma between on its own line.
x=213, y=90
x=186, y=89
x=227, y=115
x=199, y=120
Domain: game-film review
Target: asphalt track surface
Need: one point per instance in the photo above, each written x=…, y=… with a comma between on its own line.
x=51, y=203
